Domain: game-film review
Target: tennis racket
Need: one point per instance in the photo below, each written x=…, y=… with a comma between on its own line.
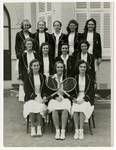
x=67, y=85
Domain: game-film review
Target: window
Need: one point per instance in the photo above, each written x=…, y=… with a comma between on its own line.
x=101, y=12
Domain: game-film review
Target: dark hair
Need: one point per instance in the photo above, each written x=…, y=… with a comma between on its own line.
x=65, y=44
x=31, y=63
x=25, y=20
x=86, y=24
x=58, y=22
x=45, y=29
x=29, y=39
x=74, y=22
x=78, y=64
x=84, y=41
x=59, y=62
x=43, y=44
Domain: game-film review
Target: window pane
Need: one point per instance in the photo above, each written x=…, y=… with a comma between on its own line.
x=81, y=5
x=41, y=7
x=49, y=6
x=95, y=5
x=106, y=30
x=106, y=4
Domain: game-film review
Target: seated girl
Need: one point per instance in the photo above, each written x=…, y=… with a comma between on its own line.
x=60, y=104
x=34, y=87
x=83, y=103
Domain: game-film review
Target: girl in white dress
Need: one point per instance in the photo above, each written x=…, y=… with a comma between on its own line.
x=34, y=87
x=60, y=104
x=83, y=103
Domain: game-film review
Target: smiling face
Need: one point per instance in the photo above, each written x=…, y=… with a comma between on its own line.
x=59, y=68
x=57, y=26
x=91, y=26
x=72, y=27
x=82, y=68
x=35, y=67
x=45, y=49
x=29, y=45
x=84, y=48
x=41, y=26
x=65, y=49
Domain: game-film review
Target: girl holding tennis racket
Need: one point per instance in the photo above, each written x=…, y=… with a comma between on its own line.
x=83, y=104
x=60, y=104
x=34, y=87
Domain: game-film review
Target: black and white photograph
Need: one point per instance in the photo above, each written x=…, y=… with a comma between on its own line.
x=57, y=74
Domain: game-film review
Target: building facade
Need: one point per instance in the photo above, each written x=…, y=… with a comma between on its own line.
x=102, y=12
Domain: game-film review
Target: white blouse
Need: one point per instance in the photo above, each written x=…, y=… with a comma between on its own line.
x=84, y=57
x=30, y=57
x=90, y=40
x=26, y=35
x=37, y=84
x=71, y=43
x=41, y=38
x=65, y=60
x=56, y=44
x=81, y=87
x=46, y=65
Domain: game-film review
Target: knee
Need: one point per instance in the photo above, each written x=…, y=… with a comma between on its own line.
x=65, y=112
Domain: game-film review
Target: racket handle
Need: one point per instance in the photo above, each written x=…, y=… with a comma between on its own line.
x=49, y=97
x=68, y=95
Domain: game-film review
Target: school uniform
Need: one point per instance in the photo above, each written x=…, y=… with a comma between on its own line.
x=89, y=58
x=34, y=87
x=84, y=90
x=56, y=43
x=67, y=62
x=24, y=63
x=73, y=40
x=95, y=48
x=19, y=42
x=46, y=65
x=53, y=104
x=41, y=38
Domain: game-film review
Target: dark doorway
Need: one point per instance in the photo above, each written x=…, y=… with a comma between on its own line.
x=7, y=45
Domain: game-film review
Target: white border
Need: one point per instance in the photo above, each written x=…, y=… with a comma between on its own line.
x=1, y=78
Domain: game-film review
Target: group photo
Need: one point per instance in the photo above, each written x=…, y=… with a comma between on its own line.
x=57, y=74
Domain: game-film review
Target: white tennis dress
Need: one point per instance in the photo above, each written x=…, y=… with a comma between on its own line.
x=56, y=105
x=85, y=107
x=36, y=105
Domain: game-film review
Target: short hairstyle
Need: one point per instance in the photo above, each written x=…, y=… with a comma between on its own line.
x=78, y=64
x=74, y=22
x=65, y=44
x=43, y=44
x=59, y=62
x=45, y=29
x=84, y=41
x=31, y=63
x=25, y=20
x=58, y=22
x=28, y=39
x=86, y=24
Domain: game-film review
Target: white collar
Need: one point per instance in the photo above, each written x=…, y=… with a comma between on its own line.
x=57, y=35
x=66, y=58
x=56, y=78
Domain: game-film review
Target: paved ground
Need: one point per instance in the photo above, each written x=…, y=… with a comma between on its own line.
x=15, y=130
